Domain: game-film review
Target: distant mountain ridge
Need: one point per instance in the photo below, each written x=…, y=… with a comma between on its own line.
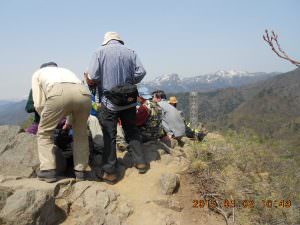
x=207, y=82
x=12, y=112
x=270, y=108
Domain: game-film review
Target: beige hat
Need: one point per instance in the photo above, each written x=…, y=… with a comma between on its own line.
x=111, y=36
x=172, y=100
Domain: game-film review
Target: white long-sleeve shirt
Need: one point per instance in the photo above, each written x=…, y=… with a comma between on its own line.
x=44, y=79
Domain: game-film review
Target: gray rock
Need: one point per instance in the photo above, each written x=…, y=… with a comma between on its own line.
x=88, y=196
x=112, y=195
x=125, y=210
x=92, y=218
x=162, y=202
x=169, y=220
x=169, y=183
x=169, y=204
x=102, y=200
x=7, y=134
x=8, y=178
x=30, y=201
x=19, y=155
x=5, y=192
x=112, y=220
x=25, y=207
x=112, y=207
x=175, y=205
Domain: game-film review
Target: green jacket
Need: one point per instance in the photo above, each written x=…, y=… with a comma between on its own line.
x=30, y=108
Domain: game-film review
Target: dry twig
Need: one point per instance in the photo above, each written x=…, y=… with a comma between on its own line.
x=273, y=39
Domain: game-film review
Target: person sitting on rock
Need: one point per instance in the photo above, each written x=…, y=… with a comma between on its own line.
x=95, y=130
x=148, y=116
x=198, y=134
x=173, y=101
x=57, y=92
x=172, y=121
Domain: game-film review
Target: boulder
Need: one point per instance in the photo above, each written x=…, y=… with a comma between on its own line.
x=5, y=192
x=169, y=183
x=92, y=203
x=7, y=134
x=25, y=207
x=30, y=201
x=19, y=155
x=18, y=152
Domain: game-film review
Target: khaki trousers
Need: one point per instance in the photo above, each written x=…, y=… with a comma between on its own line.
x=64, y=99
x=96, y=132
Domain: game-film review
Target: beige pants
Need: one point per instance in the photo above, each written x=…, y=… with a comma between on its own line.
x=96, y=131
x=62, y=100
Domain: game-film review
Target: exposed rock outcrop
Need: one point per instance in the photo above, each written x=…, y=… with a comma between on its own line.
x=18, y=152
x=148, y=199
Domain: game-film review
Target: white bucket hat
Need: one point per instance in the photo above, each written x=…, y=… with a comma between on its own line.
x=111, y=36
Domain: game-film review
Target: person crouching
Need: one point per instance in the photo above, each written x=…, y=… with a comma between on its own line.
x=57, y=92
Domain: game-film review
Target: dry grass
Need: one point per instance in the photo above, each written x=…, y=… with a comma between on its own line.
x=239, y=167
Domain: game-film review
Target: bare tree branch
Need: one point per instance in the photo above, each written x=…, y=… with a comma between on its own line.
x=273, y=39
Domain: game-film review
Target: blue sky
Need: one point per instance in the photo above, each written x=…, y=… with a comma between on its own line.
x=186, y=37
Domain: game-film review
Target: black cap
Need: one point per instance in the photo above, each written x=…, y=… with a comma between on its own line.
x=48, y=64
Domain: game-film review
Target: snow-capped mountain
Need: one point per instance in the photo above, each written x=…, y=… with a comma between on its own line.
x=207, y=82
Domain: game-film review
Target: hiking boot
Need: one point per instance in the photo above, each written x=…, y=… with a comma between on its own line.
x=200, y=136
x=47, y=175
x=82, y=175
x=110, y=178
x=142, y=167
x=121, y=147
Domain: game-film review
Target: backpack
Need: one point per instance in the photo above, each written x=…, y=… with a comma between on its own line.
x=153, y=127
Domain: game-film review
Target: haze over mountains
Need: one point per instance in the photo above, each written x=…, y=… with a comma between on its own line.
x=13, y=112
x=207, y=82
x=270, y=108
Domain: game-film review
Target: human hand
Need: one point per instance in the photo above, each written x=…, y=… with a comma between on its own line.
x=89, y=81
x=67, y=126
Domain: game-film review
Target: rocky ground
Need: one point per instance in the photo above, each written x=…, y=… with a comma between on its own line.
x=162, y=196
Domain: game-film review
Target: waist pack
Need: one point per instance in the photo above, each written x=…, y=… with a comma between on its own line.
x=122, y=95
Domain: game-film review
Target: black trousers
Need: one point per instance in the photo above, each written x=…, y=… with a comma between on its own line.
x=109, y=120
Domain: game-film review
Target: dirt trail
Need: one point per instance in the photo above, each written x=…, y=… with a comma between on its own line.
x=141, y=190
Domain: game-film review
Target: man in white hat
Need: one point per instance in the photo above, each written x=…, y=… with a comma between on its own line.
x=116, y=69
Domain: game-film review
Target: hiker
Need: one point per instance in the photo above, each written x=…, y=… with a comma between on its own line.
x=173, y=101
x=116, y=69
x=149, y=116
x=95, y=130
x=189, y=131
x=57, y=92
x=93, y=122
x=30, y=109
x=172, y=121
x=122, y=145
